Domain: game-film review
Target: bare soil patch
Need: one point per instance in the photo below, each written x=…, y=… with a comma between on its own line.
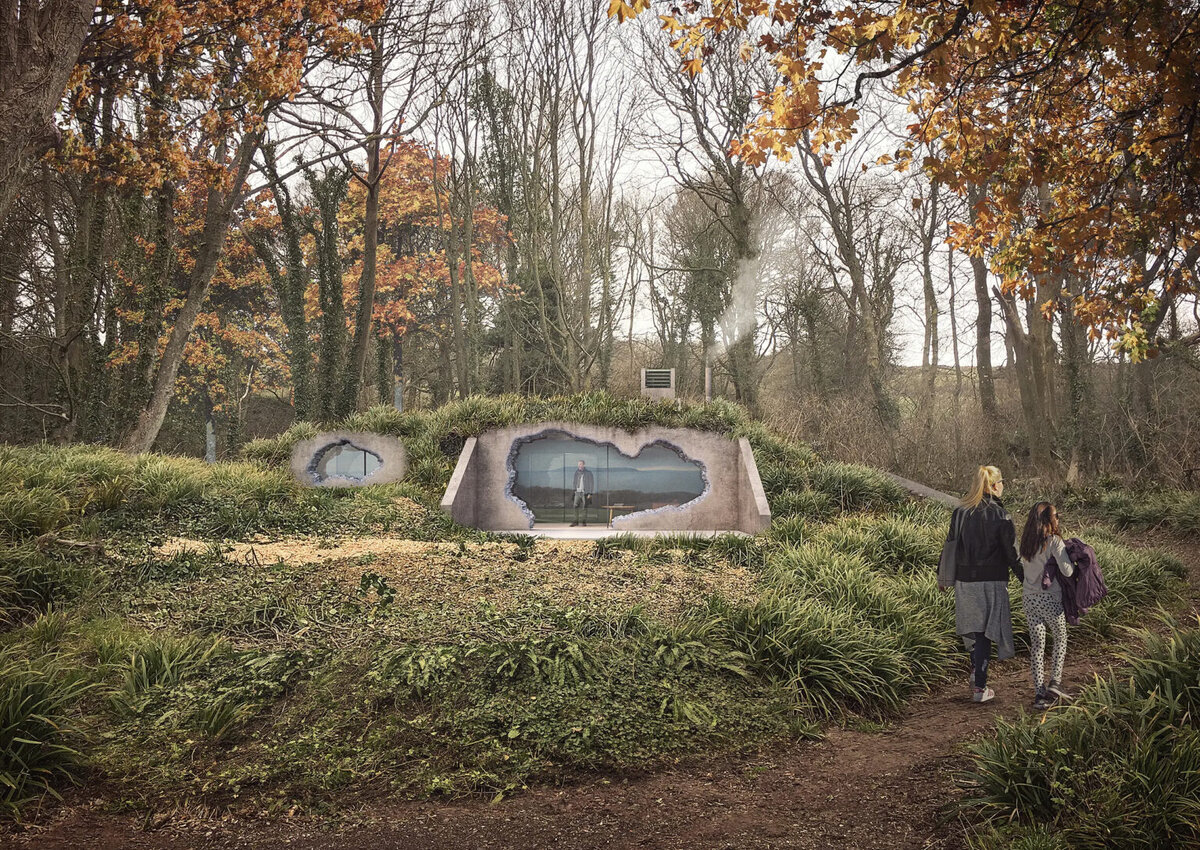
x=561, y=572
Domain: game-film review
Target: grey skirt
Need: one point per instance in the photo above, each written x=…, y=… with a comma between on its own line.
x=983, y=606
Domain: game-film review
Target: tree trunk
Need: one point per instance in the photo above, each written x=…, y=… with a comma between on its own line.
x=383, y=369
x=39, y=45
x=983, y=328
x=291, y=286
x=742, y=354
x=398, y=372
x=366, y=284
x=210, y=433
x=218, y=212
x=929, y=355
x=1079, y=394
x=328, y=190
x=958, y=374
x=1036, y=432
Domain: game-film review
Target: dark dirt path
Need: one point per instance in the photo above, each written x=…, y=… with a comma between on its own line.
x=881, y=790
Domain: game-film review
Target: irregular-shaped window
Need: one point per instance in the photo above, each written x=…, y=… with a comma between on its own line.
x=343, y=459
x=564, y=479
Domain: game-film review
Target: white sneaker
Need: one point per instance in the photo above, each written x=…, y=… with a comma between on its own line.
x=983, y=695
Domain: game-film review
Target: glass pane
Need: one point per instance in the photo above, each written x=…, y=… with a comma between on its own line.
x=346, y=460
x=566, y=479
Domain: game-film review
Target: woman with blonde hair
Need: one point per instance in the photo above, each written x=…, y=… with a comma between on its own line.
x=982, y=540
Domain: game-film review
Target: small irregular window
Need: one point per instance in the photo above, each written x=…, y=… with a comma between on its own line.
x=344, y=460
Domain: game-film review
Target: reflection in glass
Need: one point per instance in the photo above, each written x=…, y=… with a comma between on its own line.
x=549, y=479
x=345, y=460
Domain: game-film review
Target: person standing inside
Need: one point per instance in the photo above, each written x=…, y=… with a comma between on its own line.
x=984, y=539
x=1042, y=600
x=584, y=487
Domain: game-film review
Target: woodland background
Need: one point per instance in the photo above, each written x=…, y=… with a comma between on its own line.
x=921, y=236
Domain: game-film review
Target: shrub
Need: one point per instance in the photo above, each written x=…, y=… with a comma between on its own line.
x=1138, y=580
x=277, y=451
x=164, y=661
x=48, y=630
x=779, y=480
x=829, y=659
x=167, y=482
x=1118, y=767
x=1173, y=510
x=31, y=580
x=770, y=448
x=888, y=545
x=381, y=419
x=854, y=487
x=739, y=550
x=35, y=730
x=696, y=645
x=841, y=579
x=421, y=668
x=553, y=660
x=803, y=504
x=30, y=511
x=790, y=530
x=219, y=718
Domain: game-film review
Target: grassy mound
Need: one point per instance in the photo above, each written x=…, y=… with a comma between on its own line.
x=245, y=641
x=1176, y=511
x=1119, y=767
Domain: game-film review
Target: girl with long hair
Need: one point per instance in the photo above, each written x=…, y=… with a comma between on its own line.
x=984, y=539
x=1043, y=605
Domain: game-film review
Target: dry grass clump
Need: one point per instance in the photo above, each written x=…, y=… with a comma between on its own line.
x=506, y=575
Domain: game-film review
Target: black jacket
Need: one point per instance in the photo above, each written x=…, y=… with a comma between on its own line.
x=987, y=542
x=589, y=482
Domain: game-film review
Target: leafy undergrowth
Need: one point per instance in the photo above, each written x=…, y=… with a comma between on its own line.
x=243, y=641
x=1119, y=767
x=1168, y=511
x=1175, y=511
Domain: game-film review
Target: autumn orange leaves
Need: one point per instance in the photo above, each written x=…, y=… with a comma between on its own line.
x=1077, y=120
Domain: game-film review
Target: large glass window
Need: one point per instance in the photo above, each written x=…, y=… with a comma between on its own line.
x=564, y=479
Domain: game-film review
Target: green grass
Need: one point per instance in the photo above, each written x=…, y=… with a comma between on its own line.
x=462, y=666
x=37, y=752
x=1176, y=511
x=86, y=491
x=32, y=579
x=1119, y=767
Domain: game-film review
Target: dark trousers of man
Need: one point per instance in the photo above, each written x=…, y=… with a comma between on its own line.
x=981, y=653
x=580, y=502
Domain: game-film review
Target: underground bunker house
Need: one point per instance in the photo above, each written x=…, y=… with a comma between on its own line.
x=570, y=479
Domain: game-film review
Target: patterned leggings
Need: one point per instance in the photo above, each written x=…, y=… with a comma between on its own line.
x=1042, y=610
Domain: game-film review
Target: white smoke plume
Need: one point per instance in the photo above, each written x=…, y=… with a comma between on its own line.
x=741, y=316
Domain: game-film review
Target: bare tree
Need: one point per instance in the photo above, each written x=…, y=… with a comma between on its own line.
x=702, y=116
x=865, y=248
x=357, y=108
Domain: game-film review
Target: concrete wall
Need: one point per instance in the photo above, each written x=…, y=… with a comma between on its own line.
x=460, y=500
x=733, y=499
x=393, y=459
